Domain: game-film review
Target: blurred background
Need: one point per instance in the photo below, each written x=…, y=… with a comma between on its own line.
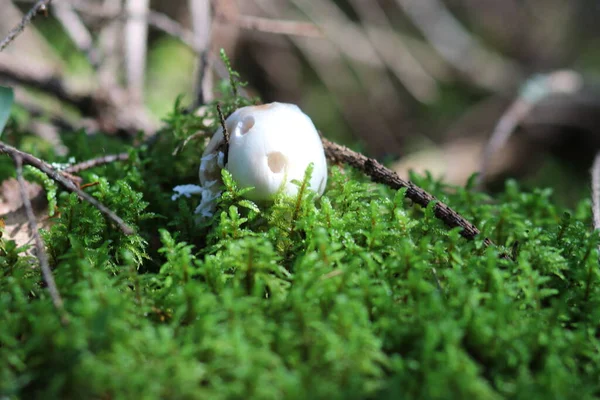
x=454, y=87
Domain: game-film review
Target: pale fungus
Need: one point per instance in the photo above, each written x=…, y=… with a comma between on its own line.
x=270, y=145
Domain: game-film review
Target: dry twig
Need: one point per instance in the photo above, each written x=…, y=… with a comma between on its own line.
x=273, y=26
x=109, y=107
x=380, y=174
x=66, y=182
x=534, y=90
x=96, y=162
x=77, y=31
x=225, y=145
x=39, y=245
x=456, y=45
x=41, y=5
x=201, y=13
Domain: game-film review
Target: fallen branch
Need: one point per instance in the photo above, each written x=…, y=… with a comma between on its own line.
x=533, y=91
x=109, y=107
x=272, y=26
x=41, y=5
x=96, y=162
x=39, y=245
x=68, y=184
x=380, y=174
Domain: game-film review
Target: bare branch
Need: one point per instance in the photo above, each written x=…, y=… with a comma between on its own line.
x=273, y=26
x=109, y=107
x=39, y=245
x=96, y=162
x=41, y=5
x=380, y=174
x=534, y=90
x=455, y=44
x=394, y=52
x=65, y=182
x=77, y=31
x=110, y=45
x=195, y=136
x=225, y=145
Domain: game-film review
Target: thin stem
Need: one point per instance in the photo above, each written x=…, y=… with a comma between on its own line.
x=96, y=162
x=39, y=245
x=41, y=5
x=66, y=183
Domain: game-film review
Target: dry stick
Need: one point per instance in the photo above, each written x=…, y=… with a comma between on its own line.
x=187, y=140
x=273, y=26
x=596, y=191
x=109, y=108
x=39, y=245
x=66, y=183
x=77, y=31
x=41, y=5
x=225, y=145
x=96, y=162
x=534, y=91
x=380, y=174
x=458, y=47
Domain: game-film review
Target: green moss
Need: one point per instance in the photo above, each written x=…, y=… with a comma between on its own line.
x=357, y=294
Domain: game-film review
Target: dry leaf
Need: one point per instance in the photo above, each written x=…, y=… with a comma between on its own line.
x=13, y=213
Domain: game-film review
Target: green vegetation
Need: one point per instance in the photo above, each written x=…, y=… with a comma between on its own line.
x=357, y=294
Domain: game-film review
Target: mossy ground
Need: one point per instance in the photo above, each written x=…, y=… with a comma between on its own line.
x=357, y=294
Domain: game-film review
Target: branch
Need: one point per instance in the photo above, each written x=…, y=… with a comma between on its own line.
x=458, y=47
x=41, y=5
x=380, y=174
x=272, y=26
x=532, y=92
x=109, y=107
x=77, y=31
x=65, y=182
x=96, y=162
x=39, y=245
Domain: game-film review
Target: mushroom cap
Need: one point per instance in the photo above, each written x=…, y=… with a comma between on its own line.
x=270, y=145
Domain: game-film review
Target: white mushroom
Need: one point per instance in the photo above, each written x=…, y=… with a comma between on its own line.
x=269, y=146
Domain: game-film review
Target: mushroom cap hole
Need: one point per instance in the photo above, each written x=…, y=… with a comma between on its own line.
x=276, y=162
x=245, y=125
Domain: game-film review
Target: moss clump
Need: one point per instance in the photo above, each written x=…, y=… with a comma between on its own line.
x=357, y=294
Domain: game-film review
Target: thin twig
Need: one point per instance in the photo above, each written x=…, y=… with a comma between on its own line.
x=96, y=162
x=596, y=191
x=39, y=245
x=225, y=145
x=187, y=140
x=66, y=183
x=458, y=47
x=109, y=108
x=41, y=5
x=77, y=31
x=533, y=91
x=380, y=174
x=272, y=26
